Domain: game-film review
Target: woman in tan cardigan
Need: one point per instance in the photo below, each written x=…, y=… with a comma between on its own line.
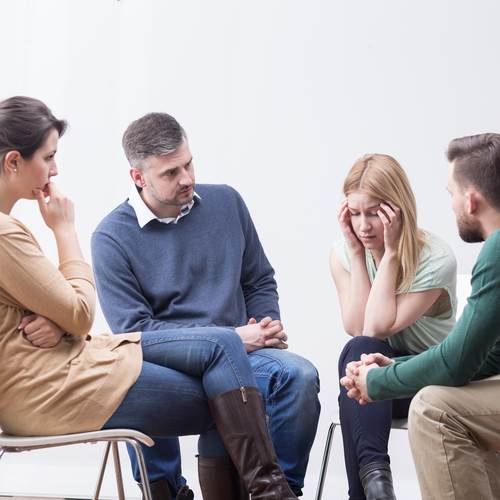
x=55, y=378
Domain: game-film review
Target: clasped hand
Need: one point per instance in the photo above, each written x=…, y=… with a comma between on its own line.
x=265, y=333
x=356, y=375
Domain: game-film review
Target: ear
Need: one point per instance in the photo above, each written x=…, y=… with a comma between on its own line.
x=137, y=175
x=12, y=162
x=472, y=202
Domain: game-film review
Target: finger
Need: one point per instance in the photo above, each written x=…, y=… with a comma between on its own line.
x=375, y=357
x=264, y=322
x=275, y=322
x=281, y=345
x=345, y=217
x=53, y=190
x=252, y=321
x=279, y=337
x=33, y=326
x=271, y=331
x=40, y=198
x=353, y=394
x=368, y=360
x=388, y=210
x=36, y=341
x=343, y=205
x=25, y=320
x=383, y=217
x=346, y=382
x=35, y=337
x=276, y=343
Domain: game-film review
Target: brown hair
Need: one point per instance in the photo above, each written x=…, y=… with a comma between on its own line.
x=25, y=124
x=476, y=160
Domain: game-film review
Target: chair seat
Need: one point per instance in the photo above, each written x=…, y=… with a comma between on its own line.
x=11, y=443
x=15, y=444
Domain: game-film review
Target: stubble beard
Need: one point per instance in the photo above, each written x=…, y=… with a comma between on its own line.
x=468, y=231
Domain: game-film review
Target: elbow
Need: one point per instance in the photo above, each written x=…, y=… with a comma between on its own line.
x=376, y=333
x=378, y=329
x=458, y=377
x=353, y=330
x=83, y=319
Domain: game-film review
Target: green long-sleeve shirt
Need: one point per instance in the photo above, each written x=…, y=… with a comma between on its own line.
x=470, y=352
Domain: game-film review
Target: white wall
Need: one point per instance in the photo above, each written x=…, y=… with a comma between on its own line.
x=279, y=97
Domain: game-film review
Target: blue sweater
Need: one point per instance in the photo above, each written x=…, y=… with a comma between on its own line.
x=209, y=269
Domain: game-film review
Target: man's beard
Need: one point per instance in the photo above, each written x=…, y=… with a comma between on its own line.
x=468, y=231
x=171, y=202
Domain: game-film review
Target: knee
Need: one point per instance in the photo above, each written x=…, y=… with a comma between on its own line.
x=425, y=408
x=302, y=374
x=360, y=345
x=228, y=340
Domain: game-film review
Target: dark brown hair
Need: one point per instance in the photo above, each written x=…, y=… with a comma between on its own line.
x=25, y=124
x=477, y=161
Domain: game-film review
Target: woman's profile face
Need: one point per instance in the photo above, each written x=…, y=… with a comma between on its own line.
x=36, y=172
x=365, y=221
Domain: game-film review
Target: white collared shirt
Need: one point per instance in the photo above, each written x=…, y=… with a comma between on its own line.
x=145, y=215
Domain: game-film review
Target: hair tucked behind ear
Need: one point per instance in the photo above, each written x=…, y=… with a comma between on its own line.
x=25, y=124
x=382, y=177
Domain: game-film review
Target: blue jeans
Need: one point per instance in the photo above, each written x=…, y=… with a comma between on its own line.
x=365, y=429
x=181, y=371
x=289, y=385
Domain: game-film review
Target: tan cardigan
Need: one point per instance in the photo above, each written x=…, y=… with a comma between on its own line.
x=78, y=384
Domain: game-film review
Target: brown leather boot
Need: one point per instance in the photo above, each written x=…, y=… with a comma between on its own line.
x=219, y=479
x=241, y=421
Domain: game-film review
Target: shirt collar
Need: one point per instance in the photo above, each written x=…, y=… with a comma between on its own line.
x=145, y=215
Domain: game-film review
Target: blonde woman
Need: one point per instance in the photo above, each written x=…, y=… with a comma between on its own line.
x=396, y=285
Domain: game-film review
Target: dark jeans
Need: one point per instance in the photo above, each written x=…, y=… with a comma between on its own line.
x=181, y=371
x=183, y=368
x=365, y=429
x=289, y=385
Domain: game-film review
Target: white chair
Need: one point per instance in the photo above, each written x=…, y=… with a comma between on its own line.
x=396, y=424
x=16, y=444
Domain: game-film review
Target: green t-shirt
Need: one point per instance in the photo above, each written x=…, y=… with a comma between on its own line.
x=437, y=269
x=470, y=352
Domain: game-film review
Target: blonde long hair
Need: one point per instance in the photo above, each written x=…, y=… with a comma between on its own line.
x=382, y=177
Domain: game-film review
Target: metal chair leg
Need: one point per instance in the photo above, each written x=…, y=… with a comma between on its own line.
x=118, y=471
x=324, y=463
x=101, y=472
x=146, y=492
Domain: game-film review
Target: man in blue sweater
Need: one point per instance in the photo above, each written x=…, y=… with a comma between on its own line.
x=172, y=257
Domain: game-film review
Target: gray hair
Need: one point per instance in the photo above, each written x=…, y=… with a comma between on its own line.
x=154, y=134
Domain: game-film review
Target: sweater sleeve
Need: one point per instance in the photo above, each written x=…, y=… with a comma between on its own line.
x=467, y=349
x=257, y=275
x=66, y=295
x=120, y=295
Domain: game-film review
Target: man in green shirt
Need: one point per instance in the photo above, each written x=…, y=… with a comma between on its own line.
x=454, y=420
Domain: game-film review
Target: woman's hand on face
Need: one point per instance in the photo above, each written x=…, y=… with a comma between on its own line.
x=344, y=217
x=40, y=331
x=391, y=219
x=58, y=213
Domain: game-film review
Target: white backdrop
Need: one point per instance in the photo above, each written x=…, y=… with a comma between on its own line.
x=278, y=97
